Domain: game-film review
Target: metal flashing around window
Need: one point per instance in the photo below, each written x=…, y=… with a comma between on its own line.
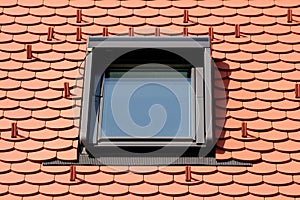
x=148, y=161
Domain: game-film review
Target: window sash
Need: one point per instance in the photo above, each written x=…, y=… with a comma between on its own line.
x=186, y=73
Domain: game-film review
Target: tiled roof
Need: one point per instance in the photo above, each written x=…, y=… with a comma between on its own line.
x=260, y=70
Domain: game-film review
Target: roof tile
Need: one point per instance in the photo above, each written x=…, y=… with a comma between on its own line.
x=65, y=179
x=277, y=29
x=270, y=95
x=106, y=21
x=87, y=169
x=246, y=155
x=13, y=156
x=259, y=145
x=248, y=179
x=144, y=189
x=263, y=190
x=16, y=11
x=287, y=146
x=8, y=3
x=249, y=11
x=84, y=189
x=203, y=189
x=255, y=85
x=58, y=144
x=210, y=4
x=17, y=114
x=223, y=12
x=67, y=155
x=286, y=125
x=217, y=178
x=275, y=157
x=272, y=115
x=289, y=168
x=234, y=190
x=42, y=155
x=54, y=189
x=11, y=178
x=257, y=105
x=235, y=4
x=266, y=57
x=290, y=190
x=211, y=21
x=278, y=179
x=173, y=189
x=99, y=178
x=33, y=104
x=273, y=136
x=56, y=3
x=24, y=189
x=26, y=167
x=114, y=189
x=28, y=145
x=262, y=168
x=158, y=178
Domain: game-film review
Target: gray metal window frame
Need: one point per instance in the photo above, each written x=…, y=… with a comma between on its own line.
x=100, y=48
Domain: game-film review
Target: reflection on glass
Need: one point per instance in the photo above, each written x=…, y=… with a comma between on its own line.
x=160, y=101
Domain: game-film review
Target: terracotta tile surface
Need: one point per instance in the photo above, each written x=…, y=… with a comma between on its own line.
x=259, y=70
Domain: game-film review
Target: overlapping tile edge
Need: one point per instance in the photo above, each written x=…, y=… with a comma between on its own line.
x=259, y=69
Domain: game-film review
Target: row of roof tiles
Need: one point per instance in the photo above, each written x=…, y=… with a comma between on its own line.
x=151, y=184
x=161, y=4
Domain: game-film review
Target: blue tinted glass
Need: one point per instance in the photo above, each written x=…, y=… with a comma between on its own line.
x=146, y=107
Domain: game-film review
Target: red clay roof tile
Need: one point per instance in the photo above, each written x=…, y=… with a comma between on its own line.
x=259, y=145
x=54, y=189
x=278, y=179
x=262, y=168
x=263, y=190
x=41, y=155
x=217, y=179
x=210, y=4
x=246, y=155
x=84, y=189
x=114, y=189
x=255, y=85
x=272, y=115
x=99, y=178
x=273, y=136
x=28, y=145
x=173, y=189
x=268, y=75
x=290, y=190
x=234, y=190
x=24, y=189
x=249, y=11
x=203, y=189
x=144, y=189
x=67, y=155
x=26, y=167
x=275, y=157
x=11, y=178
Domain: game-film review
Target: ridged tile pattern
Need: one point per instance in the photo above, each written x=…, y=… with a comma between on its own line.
x=259, y=69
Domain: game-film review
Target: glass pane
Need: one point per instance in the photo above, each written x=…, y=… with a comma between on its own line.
x=146, y=105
